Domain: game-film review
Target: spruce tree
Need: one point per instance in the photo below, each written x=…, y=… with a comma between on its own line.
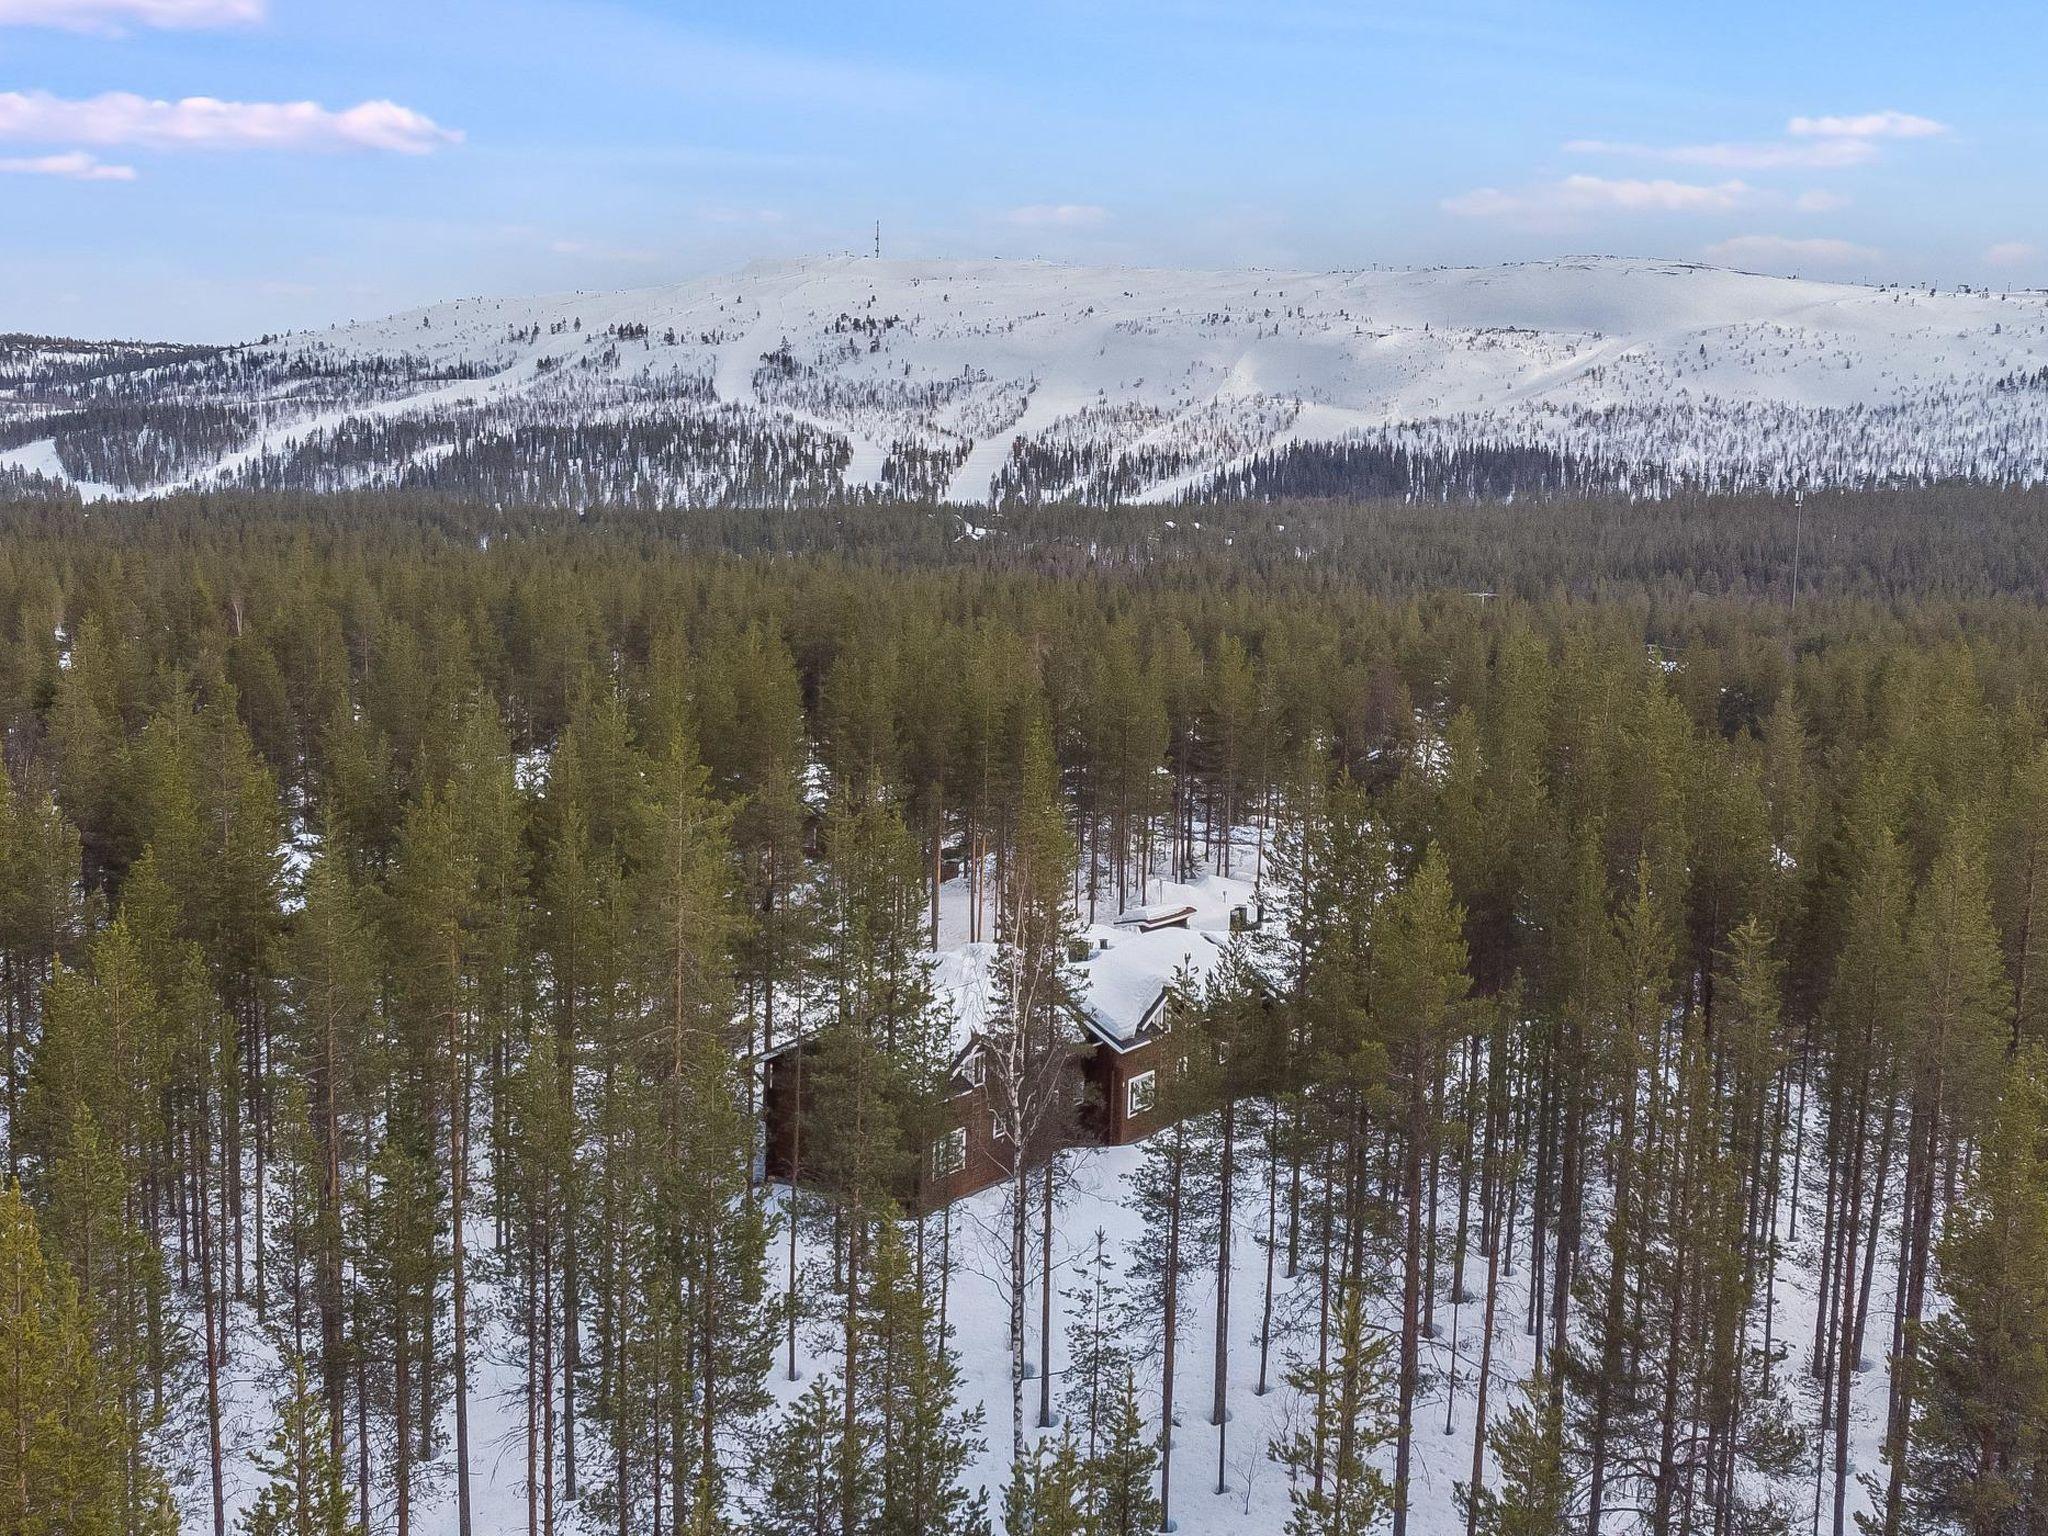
x=1047, y=1491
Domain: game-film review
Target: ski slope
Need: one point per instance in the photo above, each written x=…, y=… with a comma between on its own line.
x=973, y=381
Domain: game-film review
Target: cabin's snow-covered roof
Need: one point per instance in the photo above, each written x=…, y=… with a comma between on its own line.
x=1126, y=970
x=964, y=980
x=1121, y=983
x=1132, y=961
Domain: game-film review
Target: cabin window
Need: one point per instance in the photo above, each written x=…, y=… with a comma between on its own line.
x=997, y=1129
x=1141, y=1093
x=972, y=1068
x=950, y=1155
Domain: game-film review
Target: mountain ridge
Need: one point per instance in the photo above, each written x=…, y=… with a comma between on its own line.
x=850, y=378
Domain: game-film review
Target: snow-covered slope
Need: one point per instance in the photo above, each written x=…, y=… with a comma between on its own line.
x=973, y=380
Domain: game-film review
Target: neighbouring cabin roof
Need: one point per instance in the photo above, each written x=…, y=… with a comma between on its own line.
x=1159, y=915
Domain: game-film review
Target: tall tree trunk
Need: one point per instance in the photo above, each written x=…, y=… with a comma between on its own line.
x=1226, y=1197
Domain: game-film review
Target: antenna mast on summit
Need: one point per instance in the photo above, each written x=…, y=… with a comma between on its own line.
x=878, y=239
x=1798, y=530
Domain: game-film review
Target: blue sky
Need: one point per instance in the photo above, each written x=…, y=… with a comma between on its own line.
x=352, y=157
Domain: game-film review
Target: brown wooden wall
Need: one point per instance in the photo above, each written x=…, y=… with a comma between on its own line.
x=1100, y=1079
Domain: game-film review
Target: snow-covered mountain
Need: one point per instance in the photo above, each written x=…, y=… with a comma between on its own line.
x=975, y=381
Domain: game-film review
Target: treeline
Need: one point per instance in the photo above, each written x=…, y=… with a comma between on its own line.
x=393, y=909
x=1952, y=543
x=1365, y=469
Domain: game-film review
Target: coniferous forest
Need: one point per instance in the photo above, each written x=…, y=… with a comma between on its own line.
x=1619, y=1103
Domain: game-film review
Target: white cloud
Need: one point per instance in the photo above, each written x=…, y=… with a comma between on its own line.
x=1867, y=125
x=201, y=122
x=2012, y=253
x=1593, y=194
x=1819, y=201
x=74, y=166
x=1818, y=154
x=114, y=16
x=1786, y=251
x=1058, y=216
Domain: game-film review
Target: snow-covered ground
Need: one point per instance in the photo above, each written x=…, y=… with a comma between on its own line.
x=1255, y=1498
x=974, y=378
x=1097, y=1197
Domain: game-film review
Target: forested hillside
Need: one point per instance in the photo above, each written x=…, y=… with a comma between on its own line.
x=843, y=381
x=1624, y=1108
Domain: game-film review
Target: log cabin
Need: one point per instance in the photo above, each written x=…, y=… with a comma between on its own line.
x=1130, y=977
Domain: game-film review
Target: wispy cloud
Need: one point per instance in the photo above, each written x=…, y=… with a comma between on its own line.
x=1593, y=194
x=1867, y=125
x=74, y=166
x=2012, y=253
x=116, y=16
x=1818, y=154
x=201, y=122
x=1058, y=216
x=1811, y=143
x=1820, y=200
x=1780, y=251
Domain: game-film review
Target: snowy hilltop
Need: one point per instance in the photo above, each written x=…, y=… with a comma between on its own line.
x=844, y=378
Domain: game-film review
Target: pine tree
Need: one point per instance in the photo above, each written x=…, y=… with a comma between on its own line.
x=798, y=1468
x=535, y=1176
x=1030, y=1034
x=1534, y=1495
x=332, y=985
x=1962, y=1006
x=39, y=916
x=66, y=1453
x=1981, y=1429
x=1353, y=1419
x=303, y=1492
x=401, y=1266
x=1163, y=1266
x=926, y=1441
x=1098, y=1359
x=1420, y=960
x=2021, y=855
x=122, y=1289
x=709, y=1265
x=1120, y=1473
